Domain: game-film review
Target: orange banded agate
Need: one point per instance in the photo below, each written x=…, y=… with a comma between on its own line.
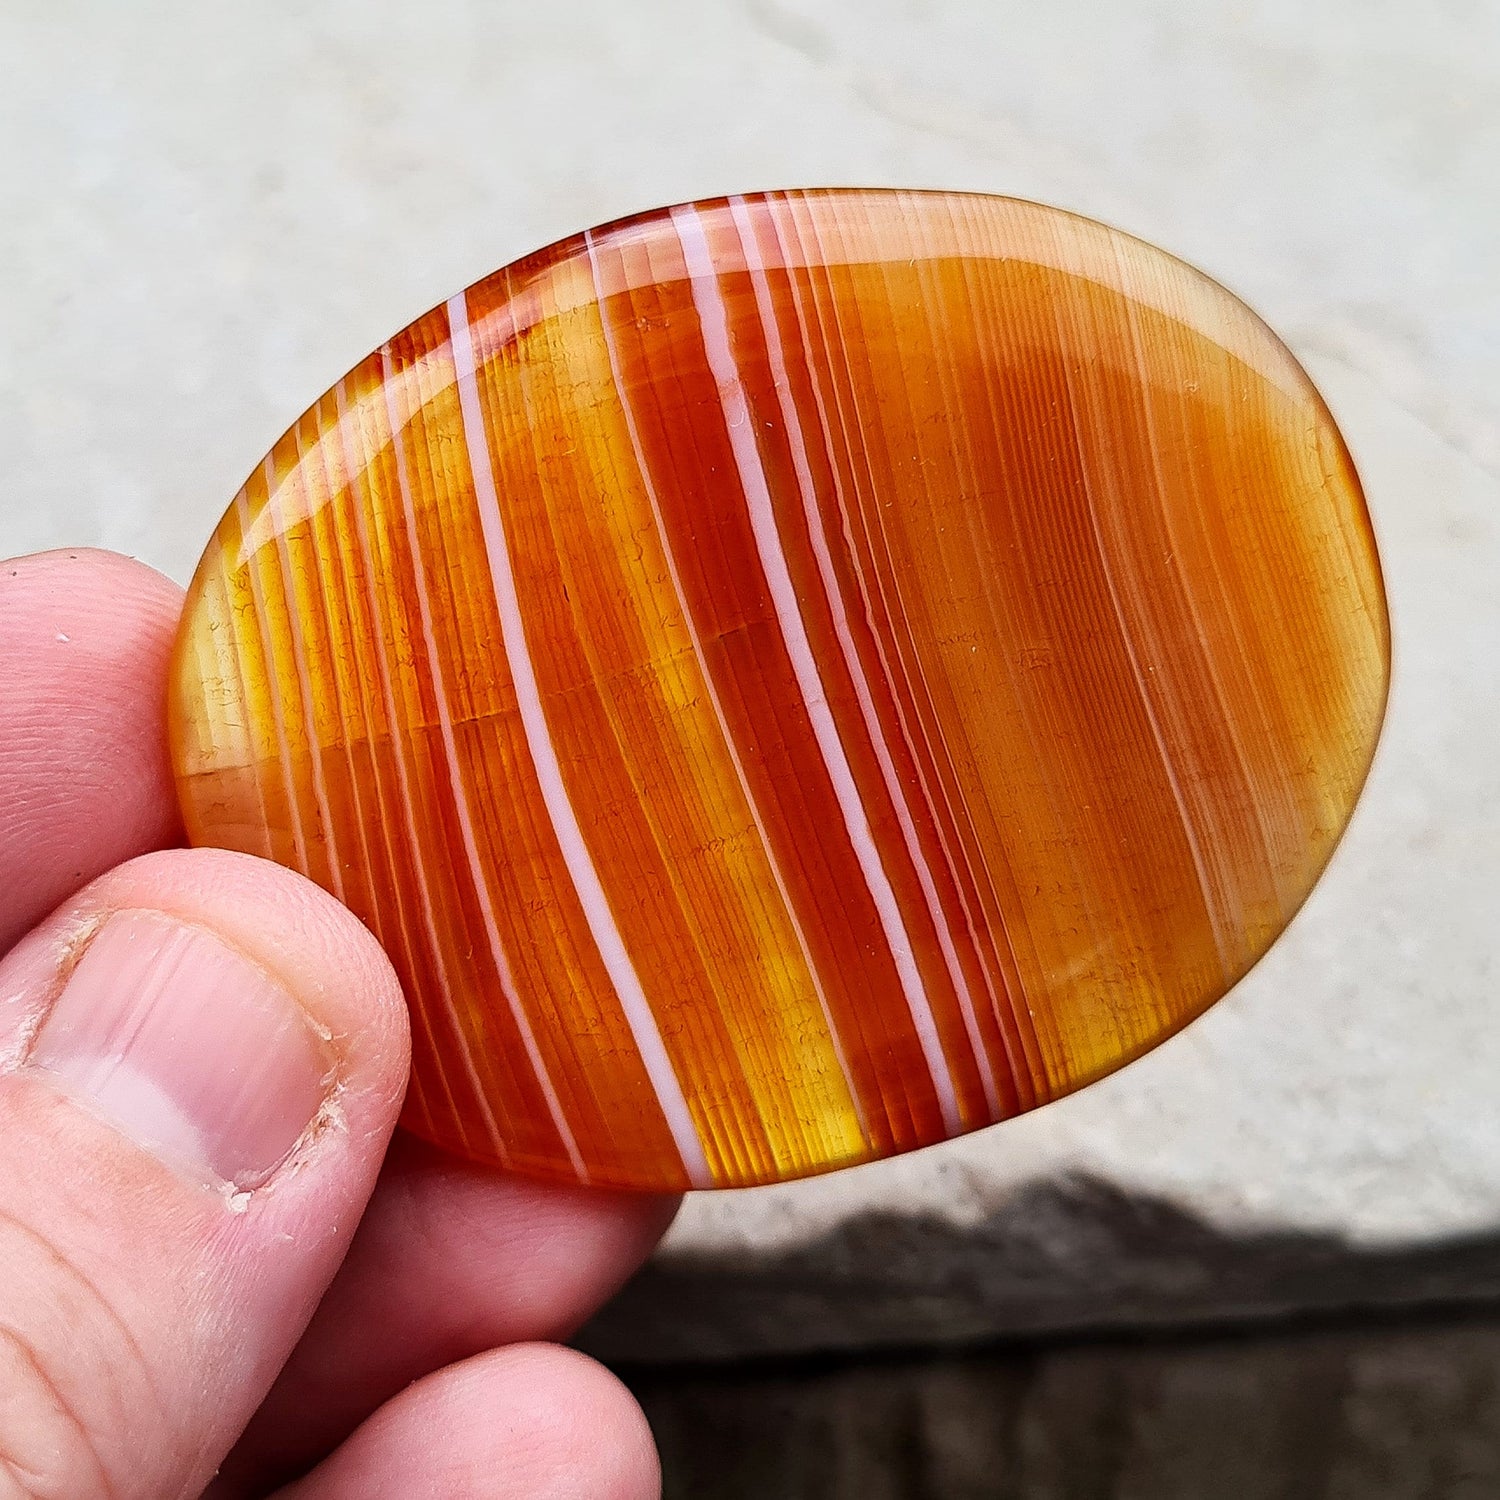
x=793, y=678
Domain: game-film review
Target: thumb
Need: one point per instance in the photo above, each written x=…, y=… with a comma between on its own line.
x=201, y=1059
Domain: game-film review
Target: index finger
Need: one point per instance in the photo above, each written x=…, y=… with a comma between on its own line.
x=85, y=782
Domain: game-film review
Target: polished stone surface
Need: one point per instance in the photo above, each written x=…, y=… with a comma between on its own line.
x=795, y=678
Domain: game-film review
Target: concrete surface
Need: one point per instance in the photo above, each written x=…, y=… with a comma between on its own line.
x=211, y=212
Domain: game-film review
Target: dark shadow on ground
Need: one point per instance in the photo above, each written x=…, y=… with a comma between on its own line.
x=1062, y=1258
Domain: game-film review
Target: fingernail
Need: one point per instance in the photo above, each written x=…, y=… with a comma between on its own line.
x=190, y=1048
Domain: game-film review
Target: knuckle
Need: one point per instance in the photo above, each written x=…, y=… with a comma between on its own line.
x=76, y=1395
x=46, y=1449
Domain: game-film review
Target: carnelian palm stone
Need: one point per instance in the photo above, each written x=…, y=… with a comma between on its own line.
x=796, y=677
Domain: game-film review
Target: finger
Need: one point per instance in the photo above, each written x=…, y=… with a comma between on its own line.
x=532, y=1420
x=201, y=1059
x=84, y=779
x=450, y=1260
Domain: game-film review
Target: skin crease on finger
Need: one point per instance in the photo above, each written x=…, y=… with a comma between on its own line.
x=85, y=639
x=451, y=1260
x=504, y=1260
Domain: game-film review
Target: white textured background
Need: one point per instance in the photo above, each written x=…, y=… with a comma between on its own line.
x=208, y=212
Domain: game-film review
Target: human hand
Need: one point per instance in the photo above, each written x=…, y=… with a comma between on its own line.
x=202, y=1057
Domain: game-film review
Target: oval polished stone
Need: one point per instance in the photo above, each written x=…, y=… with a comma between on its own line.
x=794, y=678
